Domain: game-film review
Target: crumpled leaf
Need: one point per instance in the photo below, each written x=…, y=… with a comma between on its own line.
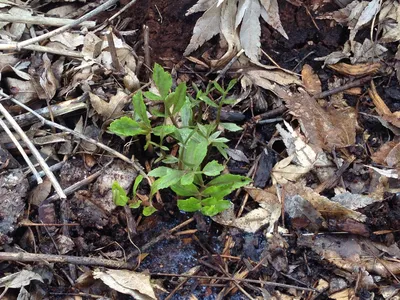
x=19, y=279
x=127, y=282
x=111, y=109
x=323, y=205
x=268, y=213
x=356, y=253
x=303, y=157
x=269, y=78
x=48, y=81
x=326, y=129
x=68, y=39
x=17, y=29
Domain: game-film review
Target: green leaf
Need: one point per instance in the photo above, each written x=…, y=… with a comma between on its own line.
x=220, y=140
x=185, y=190
x=157, y=113
x=180, y=97
x=190, y=205
x=231, y=84
x=119, y=195
x=229, y=101
x=213, y=168
x=138, y=180
x=135, y=204
x=163, y=130
x=126, y=126
x=186, y=114
x=217, y=206
x=172, y=177
x=218, y=87
x=140, y=108
x=195, y=151
x=236, y=181
x=162, y=79
x=160, y=171
x=218, y=191
x=225, y=184
x=187, y=178
x=231, y=127
x=208, y=101
x=169, y=159
x=152, y=96
x=149, y=210
x=221, y=148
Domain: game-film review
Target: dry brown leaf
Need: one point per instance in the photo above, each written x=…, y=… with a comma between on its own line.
x=357, y=69
x=48, y=81
x=40, y=192
x=131, y=283
x=310, y=79
x=206, y=27
x=354, y=253
x=17, y=29
x=111, y=109
x=381, y=107
x=268, y=213
x=382, y=153
x=284, y=171
x=327, y=130
x=327, y=208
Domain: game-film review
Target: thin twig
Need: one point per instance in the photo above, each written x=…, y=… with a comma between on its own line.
x=69, y=190
x=122, y=10
x=137, y=167
x=112, y=49
x=77, y=260
x=146, y=46
x=33, y=149
x=22, y=151
x=229, y=65
x=42, y=20
x=344, y=87
x=63, y=52
x=96, y=11
x=237, y=279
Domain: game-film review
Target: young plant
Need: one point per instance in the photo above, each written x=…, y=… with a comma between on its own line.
x=188, y=174
x=121, y=198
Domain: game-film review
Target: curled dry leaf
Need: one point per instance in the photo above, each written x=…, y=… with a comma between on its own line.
x=354, y=253
x=388, y=154
x=302, y=158
x=327, y=208
x=111, y=109
x=310, y=79
x=19, y=279
x=127, y=282
x=268, y=213
x=17, y=29
x=381, y=107
x=47, y=80
x=357, y=69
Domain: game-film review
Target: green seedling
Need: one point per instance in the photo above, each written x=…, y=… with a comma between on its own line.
x=189, y=174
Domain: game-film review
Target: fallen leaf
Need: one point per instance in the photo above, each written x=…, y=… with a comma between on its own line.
x=327, y=130
x=310, y=79
x=127, y=282
x=111, y=109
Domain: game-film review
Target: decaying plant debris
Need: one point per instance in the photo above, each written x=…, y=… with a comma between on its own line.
x=209, y=149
